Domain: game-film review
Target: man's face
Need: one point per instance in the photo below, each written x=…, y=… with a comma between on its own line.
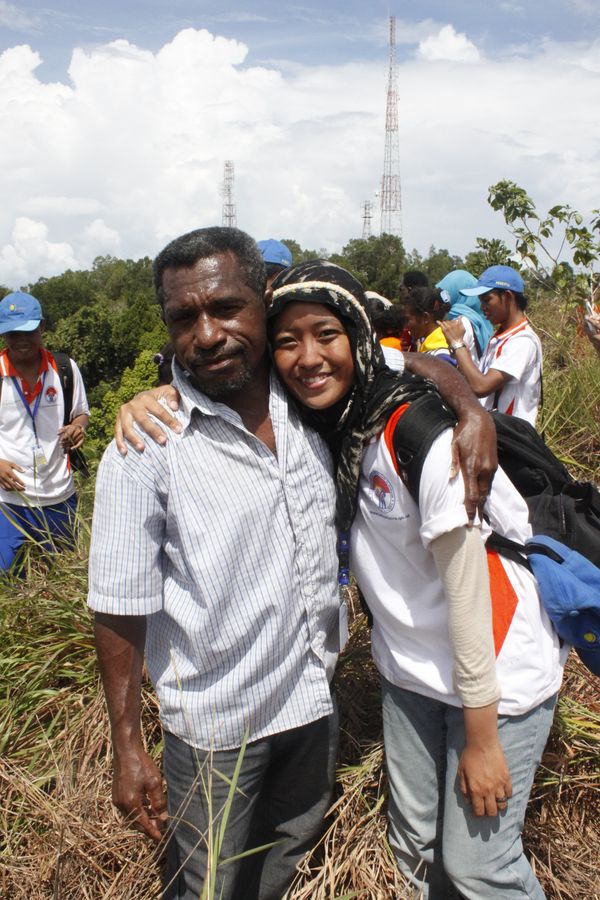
x=216, y=323
x=495, y=305
x=24, y=346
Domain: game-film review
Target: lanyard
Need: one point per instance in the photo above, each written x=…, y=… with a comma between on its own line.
x=31, y=413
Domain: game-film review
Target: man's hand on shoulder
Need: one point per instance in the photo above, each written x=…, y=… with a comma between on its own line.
x=475, y=453
x=138, y=412
x=9, y=480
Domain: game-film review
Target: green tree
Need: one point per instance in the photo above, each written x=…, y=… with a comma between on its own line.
x=63, y=295
x=438, y=263
x=489, y=252
x=121, y=281
x=139, y=377
x=378, y=262
x=87, y=337
x=298, y=254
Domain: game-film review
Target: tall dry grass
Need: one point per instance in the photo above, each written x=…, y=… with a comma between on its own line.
x=61, y=838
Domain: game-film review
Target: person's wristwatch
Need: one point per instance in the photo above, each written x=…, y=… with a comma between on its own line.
x=456, y=345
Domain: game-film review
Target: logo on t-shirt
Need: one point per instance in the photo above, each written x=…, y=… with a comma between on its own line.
x=51, y=395
x=382, y=492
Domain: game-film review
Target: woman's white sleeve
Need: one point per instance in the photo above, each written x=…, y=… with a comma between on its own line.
x=461, y=562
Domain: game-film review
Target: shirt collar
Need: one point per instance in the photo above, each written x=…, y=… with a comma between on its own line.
x=46, y=362
x=193, y=399
x=508, y=331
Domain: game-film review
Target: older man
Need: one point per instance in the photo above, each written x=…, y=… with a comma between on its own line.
x=216, y=550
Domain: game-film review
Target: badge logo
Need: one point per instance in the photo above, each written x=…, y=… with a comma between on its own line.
x=383, y=494
x=51, y=395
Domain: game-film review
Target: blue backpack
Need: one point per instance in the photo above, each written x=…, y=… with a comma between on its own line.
x=570, y=589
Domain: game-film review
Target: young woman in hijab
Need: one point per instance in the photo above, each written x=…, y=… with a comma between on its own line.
x=469, y=681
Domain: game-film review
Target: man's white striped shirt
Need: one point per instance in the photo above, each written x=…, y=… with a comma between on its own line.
x=230, y=553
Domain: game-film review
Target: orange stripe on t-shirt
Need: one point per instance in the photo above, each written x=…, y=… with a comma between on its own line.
x=388, y=433
x=504, y=599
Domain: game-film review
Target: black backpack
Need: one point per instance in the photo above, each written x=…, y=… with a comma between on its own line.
x=559, y=506
x=65, y=372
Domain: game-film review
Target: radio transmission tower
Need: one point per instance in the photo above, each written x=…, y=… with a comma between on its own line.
x=391, y=202
x=229, y=217
x=367, y=216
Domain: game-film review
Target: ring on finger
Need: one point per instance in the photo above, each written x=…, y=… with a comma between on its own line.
x=501, y=799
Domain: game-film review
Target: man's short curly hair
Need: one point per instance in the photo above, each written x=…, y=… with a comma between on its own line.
x=185, y=251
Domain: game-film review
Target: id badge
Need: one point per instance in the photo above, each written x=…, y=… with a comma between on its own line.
x=39, y=457
x=343, y=625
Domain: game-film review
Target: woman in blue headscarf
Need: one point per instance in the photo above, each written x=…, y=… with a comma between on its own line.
x=468, y=307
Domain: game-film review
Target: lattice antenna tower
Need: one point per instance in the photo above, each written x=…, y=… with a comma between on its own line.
x=229, y=217
x=391, y=201
x=366, y=217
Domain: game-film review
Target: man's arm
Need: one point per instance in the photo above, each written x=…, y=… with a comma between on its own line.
x=474, y=446
x=137, y=782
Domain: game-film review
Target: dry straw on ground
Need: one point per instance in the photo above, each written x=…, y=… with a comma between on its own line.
x=63, y=839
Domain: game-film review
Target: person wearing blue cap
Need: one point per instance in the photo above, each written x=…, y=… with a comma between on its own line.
x=277, y=257
x=509, y=377
x=37, y=491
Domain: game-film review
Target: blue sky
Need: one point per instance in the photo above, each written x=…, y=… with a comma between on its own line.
x=298, y=33
x=119, y=118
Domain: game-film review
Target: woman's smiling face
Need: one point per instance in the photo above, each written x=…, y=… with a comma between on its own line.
x=312, y=354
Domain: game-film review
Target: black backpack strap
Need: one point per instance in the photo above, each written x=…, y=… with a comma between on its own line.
x=508, y=549
x=416, y=429
x=65, y=371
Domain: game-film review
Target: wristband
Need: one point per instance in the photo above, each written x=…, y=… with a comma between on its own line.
x=456, y=345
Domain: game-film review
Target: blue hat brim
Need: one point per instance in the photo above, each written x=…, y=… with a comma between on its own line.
x=29, y=325
x=476, y=291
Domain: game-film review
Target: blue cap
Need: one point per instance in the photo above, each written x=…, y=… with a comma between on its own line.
x=275, y=252
x=19, y=312
x=503, y=278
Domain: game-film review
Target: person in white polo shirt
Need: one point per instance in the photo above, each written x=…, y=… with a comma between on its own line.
x=509, y=377
x=37, y=492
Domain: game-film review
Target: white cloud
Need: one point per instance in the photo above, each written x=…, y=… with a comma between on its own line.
x=449, y=44
x=31, y=251
x=12, y=17
x=130, y=153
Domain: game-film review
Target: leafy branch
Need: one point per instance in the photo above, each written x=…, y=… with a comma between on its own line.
x=533, y=235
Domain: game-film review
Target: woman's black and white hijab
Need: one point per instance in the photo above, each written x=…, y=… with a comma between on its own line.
x=377, y=391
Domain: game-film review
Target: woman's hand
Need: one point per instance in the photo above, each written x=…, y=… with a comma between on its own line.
x=484, y=779
x=139, y=410
x=483, y=774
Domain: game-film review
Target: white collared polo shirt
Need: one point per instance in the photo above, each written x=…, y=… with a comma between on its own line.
x=518, y=353
x=52, y=481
